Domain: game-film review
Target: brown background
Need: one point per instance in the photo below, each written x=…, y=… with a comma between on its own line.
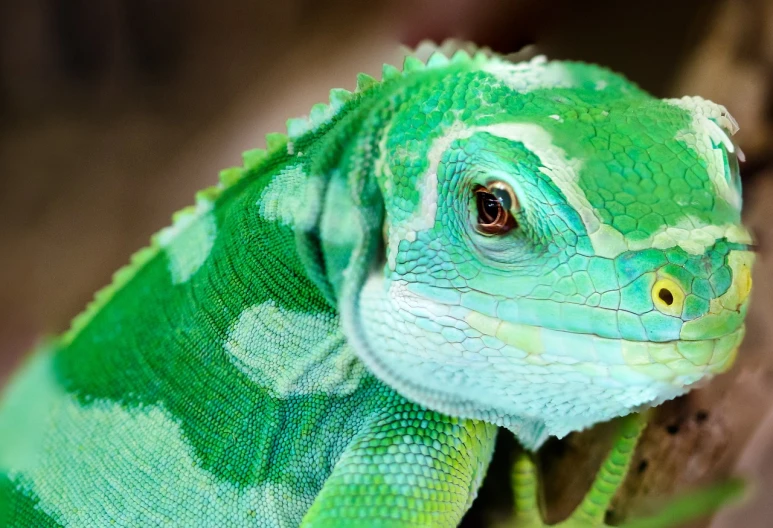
x=113, y=113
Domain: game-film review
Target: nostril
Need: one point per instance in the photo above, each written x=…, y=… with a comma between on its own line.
x=666, y=296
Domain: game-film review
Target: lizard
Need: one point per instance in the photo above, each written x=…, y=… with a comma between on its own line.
x=335, y=332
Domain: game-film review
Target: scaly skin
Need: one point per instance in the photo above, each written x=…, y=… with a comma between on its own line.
x=269, y=361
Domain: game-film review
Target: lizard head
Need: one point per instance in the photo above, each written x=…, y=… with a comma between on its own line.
x=560, y=248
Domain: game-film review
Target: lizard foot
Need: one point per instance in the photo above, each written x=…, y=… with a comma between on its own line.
x=592, y=510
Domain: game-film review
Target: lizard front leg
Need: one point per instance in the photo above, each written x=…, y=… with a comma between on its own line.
x=407, y=467
x=592, y=510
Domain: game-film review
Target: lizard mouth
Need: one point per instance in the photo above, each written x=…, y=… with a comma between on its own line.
x=534, y=380
x=678, y=362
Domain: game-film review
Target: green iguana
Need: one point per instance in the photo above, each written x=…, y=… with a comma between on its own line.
x=333, y=334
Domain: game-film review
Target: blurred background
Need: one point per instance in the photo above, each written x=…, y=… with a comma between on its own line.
x=113, y=113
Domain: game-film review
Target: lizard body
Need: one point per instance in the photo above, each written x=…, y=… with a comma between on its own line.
x=332, y=335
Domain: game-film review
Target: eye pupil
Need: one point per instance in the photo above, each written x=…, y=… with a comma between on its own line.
x=489, y=207
x=666, y=296
x=495, y=206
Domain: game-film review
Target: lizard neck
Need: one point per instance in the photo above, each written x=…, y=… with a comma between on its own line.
x=222, y=325
x=188, y=291
x=231, y=316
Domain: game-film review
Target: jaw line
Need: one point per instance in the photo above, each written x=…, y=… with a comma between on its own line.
x=532, y=432
x=704, y=356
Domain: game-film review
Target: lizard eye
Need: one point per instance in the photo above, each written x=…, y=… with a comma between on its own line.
x=496, y=205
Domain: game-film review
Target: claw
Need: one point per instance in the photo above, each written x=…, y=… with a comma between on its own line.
x=592, y=510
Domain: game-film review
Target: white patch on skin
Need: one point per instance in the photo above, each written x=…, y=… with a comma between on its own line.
x=693, y=236
x=424, y=217
x=264, y=345
x=711, y=125
x=189, y=241
x=127, y=459
x=690, y=234
x=290, y=199
x=27, y=398
x=564, y=172
x=535, y=74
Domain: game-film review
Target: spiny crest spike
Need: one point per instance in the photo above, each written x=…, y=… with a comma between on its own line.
x=390, y=72
x=364, y=81
x=253, y=157
x=460, y=57
x=137, y=259
x=339, y=97
x=178, y=216
x=208, y=194
x=319, y=114
x=228, y=177
x=275, y=141
x=480, y=56
x=411, y=64
x=297, y=126
x=426, y=48
x=437, y=60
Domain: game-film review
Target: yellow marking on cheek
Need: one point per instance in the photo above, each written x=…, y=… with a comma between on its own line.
x=635, y=353
x=715, y=306
x=744, y=283
x=682, y=366
x=725, y=351
x=665, y=352
x=482, y=323
x=696, y=352
x=656, y=371
x=523, y=337
x=740, y=263
x=724, y=364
